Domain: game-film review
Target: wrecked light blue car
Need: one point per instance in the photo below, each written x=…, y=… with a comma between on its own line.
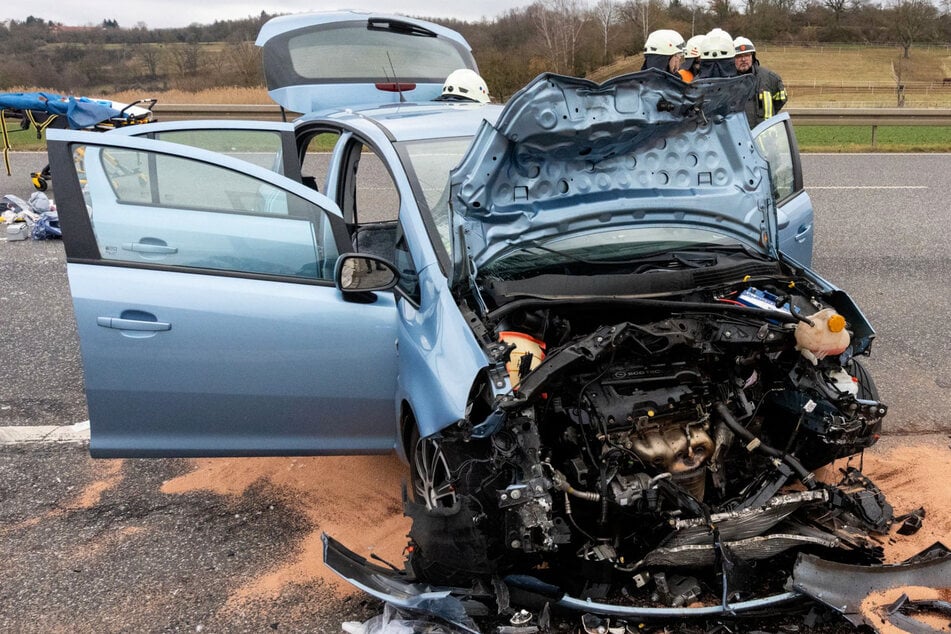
x=586, y=318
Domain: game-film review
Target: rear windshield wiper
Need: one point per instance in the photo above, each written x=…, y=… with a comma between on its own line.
x=398, y=26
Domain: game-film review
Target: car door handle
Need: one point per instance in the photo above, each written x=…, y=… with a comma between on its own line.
x=803, y=232
x=144, y=247
x=132, y=324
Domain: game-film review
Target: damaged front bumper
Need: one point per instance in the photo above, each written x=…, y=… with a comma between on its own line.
x=838, y=586
x=863, y=594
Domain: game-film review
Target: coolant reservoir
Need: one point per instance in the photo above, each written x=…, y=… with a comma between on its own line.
x=827, y=336
x=843, y=381
x=524, y=344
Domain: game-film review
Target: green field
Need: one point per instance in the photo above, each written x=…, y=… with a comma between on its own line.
x=887, y=138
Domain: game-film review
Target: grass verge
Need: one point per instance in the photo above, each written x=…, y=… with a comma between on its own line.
x=887, y=138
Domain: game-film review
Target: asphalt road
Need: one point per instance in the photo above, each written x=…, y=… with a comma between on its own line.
x=98, y=546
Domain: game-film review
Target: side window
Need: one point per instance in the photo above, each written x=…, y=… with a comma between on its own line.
x=316, y=160
x=151, y=208
x=775, y=146
x=409, y=279
x=368, y=193
x=261, y=147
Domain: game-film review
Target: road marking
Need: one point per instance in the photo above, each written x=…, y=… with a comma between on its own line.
x=877, y=154
x=867, y=187
x=44, y=434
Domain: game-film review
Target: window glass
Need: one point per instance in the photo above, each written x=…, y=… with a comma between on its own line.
x=773, y=144
x=369, y=193
x=354, y=52
x=431, y=162
x=161, y=209
x=316, y=161
x=409, y=279
x=261, y=147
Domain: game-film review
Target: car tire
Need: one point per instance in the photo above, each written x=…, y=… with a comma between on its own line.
x=431, y=473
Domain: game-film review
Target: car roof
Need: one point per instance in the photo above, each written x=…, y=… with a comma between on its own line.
x=414, y=121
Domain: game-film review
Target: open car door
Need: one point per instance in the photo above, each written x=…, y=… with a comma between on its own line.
x=776, y=141
x=270, y=144
x=207, y=315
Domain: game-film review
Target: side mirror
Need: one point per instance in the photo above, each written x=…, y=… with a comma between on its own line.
x=359, y=273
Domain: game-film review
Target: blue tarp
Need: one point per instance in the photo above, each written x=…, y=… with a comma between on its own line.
x=80, y=112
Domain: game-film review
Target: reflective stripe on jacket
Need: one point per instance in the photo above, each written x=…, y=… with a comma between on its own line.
x=770, y=96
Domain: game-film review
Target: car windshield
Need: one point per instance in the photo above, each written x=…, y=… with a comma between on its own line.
x=617, y=246
x=431, y=160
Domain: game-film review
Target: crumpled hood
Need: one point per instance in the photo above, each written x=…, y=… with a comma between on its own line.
x=568, y=155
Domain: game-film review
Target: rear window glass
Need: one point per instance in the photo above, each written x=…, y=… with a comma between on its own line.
x=354, y=52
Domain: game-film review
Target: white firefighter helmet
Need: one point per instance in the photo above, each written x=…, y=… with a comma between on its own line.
x=664, y=42
x=466, y=84
x=692, y=49
x=717, y=45
x=743, y=45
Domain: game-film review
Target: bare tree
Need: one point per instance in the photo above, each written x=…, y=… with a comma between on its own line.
x=186, y=58
x=722, y=10
x=246, y=58
x=638, y=13
x=559, y=22
x=912, y=21
x=642, y=14
x=606, y=13
x=149, y=54
x=837, y=8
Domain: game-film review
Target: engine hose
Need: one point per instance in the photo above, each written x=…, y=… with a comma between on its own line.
x=561, y=483
x=590, y=496
x=805, y=476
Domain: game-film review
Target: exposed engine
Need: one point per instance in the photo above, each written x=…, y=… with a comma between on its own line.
x=651, y=435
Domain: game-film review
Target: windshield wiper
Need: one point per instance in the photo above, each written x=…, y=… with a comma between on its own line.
x=563, y=254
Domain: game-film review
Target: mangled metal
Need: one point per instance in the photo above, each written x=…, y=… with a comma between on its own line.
x=656, y=404
x=846, y=587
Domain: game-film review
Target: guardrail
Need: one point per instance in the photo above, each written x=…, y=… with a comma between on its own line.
x=868, y=117
x=176, y=111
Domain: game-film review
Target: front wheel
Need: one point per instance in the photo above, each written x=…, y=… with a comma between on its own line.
x=430, y=473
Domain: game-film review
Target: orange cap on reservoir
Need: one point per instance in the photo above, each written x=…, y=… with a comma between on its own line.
x=836, y=323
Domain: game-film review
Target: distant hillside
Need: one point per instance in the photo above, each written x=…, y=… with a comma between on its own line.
x=857, y=76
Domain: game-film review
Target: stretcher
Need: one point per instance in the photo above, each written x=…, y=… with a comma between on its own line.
x=42, y=110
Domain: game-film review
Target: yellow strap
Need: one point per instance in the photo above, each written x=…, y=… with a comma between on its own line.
x=40, y=126
x=767, y=105
x=6, y=142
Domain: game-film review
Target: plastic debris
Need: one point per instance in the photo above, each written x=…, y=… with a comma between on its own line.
x=36, y=218
x=396, y=621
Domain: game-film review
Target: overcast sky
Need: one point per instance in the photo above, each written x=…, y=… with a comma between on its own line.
x=172, y=13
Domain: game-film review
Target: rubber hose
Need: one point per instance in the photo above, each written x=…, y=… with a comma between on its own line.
x=806, y=476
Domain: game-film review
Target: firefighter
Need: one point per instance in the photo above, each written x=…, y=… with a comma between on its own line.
x=664, y=50
x=716, y=55
x=770, y=94
x=692, y=56
x=464, y=85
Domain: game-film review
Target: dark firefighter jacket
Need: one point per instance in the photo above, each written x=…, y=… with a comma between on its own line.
x=770, y=95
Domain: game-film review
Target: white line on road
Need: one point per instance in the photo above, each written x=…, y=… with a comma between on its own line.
x=44, y=434
x=866, y=187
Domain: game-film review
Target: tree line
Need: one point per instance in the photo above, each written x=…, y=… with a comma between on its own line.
x=565, y=36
